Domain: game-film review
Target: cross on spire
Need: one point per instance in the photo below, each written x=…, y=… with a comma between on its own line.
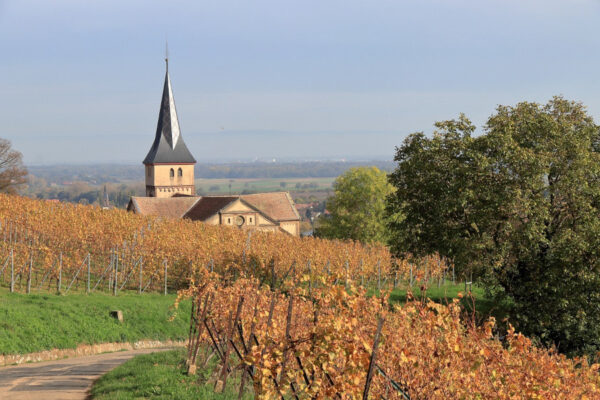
x=167, y=54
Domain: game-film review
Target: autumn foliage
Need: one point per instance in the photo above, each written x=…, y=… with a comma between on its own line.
x=321, y=318
x=45, y=231
x=318, y=343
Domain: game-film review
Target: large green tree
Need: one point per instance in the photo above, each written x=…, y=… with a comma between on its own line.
x=358, y=207
x=519, y=205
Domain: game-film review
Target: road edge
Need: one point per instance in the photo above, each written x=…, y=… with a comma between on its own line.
x=86, y=350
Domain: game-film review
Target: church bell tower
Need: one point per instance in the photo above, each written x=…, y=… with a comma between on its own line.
x=169, y=164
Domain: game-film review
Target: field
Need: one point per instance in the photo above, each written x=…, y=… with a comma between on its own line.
x=119, y=191
x=221, y=186
x=85, y=183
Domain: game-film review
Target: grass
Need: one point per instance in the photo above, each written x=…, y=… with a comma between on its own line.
x=477, y=300
x=35, y=322
x=160, y=376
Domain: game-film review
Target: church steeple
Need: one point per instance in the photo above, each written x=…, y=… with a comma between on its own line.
x=168, y=146
x=169, y=163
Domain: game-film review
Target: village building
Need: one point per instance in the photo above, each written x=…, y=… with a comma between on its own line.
x=171, y=192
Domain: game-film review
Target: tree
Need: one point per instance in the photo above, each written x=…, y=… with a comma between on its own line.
x=357, y=208
x=520, y=206
x=12, y=172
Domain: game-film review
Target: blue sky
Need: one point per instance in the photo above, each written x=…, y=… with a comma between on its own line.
x=308, y=79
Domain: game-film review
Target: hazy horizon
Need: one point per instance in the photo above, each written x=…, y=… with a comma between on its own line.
x=207, y=147
x=267, y=79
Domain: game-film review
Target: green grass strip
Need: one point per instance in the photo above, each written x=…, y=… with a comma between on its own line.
x=36, y=322
x=160, y=376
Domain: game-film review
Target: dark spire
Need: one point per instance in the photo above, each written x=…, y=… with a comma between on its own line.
x=168, y=146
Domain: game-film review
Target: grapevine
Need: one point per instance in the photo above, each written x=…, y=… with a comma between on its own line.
x=318, y=345
x=47, y=234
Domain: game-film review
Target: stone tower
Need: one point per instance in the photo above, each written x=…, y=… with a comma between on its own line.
x=169, y=163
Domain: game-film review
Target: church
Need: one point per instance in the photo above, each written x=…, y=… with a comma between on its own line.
x=171, y=192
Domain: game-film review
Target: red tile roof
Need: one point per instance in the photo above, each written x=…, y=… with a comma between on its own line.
x=278, y=206
x=208, y=206
x=170, y=207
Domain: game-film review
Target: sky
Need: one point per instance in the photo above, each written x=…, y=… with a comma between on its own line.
x=263, y=79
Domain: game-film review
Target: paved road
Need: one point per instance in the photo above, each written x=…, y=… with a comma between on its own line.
x=67, y=379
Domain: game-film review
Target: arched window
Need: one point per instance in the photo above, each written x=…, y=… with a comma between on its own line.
x=172, y=173
x=179, y=173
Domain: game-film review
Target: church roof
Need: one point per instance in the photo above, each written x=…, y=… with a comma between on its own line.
x=278, y=206
x=168, y=146
x=275, y=206
x=208, y=206
x=170, y=207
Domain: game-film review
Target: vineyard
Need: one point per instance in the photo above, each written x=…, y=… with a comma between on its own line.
x=46, y=245
x=289, y=317
x=291, y=340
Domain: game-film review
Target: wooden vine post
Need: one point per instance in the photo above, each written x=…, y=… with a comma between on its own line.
x=196, y=329
x=379, y=276
x=165, y=263
x=362, y=275
x=227, y=352
x=309, y=278
x=373, y=359
x=59, y=273
x=288, y=336
x=12, y=271
x=141, y=271
x=453, y=276
x=251, y=337
x=116, y=271
x=89, y=266
x=193, y=327
x=29, y=272
x=346, y=268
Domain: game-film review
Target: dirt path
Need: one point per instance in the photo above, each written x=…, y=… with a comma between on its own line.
x=67, y=379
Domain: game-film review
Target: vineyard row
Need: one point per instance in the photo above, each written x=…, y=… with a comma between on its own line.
x=289, y=341
x=45, y=234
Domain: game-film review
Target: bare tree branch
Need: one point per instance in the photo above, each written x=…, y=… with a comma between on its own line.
x=13, y=173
